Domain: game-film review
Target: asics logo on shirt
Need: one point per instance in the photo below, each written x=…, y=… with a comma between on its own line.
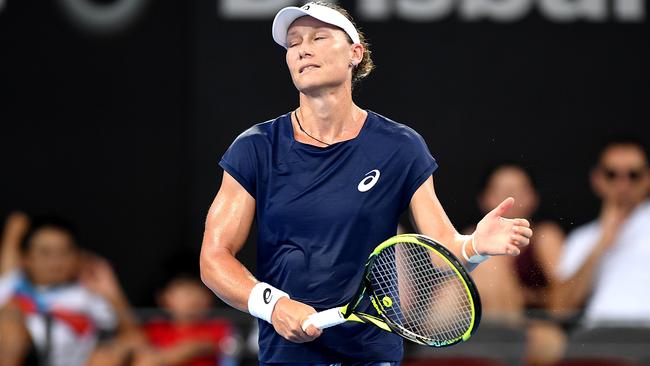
x=369, y=181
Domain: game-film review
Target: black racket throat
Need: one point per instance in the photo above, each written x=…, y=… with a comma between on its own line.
x=358, y=296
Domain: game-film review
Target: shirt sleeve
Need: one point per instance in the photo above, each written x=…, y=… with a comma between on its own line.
x=419, y=165
x=102, y=313
x=241, y=161
x=577, y=248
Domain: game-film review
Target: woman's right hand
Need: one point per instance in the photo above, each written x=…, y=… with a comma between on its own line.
x=287, y=318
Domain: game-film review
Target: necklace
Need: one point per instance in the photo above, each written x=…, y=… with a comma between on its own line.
x=295, y=113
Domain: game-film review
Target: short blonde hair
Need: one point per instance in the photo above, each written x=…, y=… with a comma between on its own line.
x=365, y=67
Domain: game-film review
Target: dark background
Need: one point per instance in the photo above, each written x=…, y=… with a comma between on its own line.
x=121, y=131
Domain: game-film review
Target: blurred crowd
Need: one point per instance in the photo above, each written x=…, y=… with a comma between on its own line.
x=61, y=305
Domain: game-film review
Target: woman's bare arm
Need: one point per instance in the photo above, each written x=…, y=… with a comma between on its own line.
x=226, y=229
x=494, y=234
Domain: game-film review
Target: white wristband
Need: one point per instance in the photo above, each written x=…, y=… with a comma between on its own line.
x=476, y=258
x=262, y=299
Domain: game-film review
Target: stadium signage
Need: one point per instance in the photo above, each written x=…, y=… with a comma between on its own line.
x=561, y=11
x=99, y=17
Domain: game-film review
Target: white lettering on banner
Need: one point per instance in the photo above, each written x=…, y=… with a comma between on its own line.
x=630, y=10
x=97, y=17
x=467, y=10
x=571, y=10
x=419, y=10
x=375, y=10
x=499, y=10
x=253, y=9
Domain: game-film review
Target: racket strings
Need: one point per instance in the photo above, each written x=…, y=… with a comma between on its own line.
x=421, y=293
x=421, y=308
x=445, y=293
x=418, y=312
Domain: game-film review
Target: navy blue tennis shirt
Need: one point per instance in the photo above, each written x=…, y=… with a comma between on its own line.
x=320, y=212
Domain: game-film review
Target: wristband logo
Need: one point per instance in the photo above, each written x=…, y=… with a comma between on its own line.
x=267, y=296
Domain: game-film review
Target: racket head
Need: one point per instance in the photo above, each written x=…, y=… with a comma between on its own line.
x=422, y=291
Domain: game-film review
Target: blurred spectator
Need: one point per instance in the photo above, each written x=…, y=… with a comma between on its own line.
x=516, y=290
x=188, y=336
x=55, y=300
x=604, y=266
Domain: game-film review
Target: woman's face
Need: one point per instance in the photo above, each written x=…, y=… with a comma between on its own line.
x=510, y=181
x=319, y=55
x=52, y=257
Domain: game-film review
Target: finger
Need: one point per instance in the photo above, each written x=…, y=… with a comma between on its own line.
x=503, y=207
x=519, y=240
x=299, y=336
x=522, y=222
x=523, y=231
x=306, y=324
x=512, y=250
x=294, y=338
x=313, y=332
x=295, y=335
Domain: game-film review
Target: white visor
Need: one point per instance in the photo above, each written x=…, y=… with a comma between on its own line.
x=286, y=16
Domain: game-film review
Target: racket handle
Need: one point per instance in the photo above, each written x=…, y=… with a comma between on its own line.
x=324, y=319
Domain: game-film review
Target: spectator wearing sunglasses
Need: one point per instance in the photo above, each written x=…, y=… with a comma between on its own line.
x=605, y=262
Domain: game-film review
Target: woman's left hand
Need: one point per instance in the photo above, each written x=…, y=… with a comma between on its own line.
x=497, y=235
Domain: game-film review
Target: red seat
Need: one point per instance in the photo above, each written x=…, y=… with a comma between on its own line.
x=453, y=361
x=597, y=362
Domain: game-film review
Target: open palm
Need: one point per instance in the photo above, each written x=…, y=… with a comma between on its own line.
x=497, y=235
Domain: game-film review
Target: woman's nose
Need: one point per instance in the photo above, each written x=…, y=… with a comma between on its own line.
x=304, y=52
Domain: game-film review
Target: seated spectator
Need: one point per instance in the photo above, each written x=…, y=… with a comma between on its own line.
x=604, y=267
x=188, y=336
x=55, y=300
x=515, y=290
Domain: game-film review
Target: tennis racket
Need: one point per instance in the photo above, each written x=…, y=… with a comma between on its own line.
x=420, y=291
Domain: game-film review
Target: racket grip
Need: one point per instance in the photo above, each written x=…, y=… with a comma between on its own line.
x=324, y=319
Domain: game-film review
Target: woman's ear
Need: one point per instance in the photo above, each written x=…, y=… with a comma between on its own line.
x=357, y=54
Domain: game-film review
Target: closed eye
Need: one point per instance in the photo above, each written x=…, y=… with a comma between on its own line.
x=293, y=41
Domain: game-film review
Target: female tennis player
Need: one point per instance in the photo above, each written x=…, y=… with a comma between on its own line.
x=327, y=182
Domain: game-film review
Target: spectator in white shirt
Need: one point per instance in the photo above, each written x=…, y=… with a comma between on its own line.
x=604, y=268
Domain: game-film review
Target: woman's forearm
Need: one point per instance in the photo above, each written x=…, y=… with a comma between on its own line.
x=226, y=277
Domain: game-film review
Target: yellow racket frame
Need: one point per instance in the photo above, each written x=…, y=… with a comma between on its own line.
x=377, y=303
